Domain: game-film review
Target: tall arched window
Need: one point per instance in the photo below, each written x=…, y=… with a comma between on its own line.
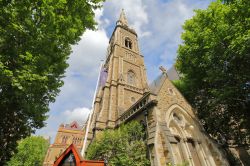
x=131, y=77
x=128, y=43
x=182, y=126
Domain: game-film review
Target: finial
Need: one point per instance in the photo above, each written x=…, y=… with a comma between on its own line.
x=122, y=20
x=164, y=71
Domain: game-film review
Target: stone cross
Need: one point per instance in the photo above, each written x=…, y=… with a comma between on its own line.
x=163, y=69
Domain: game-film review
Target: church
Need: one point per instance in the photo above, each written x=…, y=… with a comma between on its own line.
x=67, y=134
x=174, y=134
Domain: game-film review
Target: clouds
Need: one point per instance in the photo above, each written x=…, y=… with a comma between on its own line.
x=166, y=19
x=135, y=10
x=88, y=53
x=75, y=98
x=78, y=114
x=81, y=76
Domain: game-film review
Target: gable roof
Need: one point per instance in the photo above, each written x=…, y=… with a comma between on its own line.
x=79, y=160
x=173, y=74
x=70, y=149
x=156, y=85
x=73, y=126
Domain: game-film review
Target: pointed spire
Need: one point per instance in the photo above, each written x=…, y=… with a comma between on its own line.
x=122, y=20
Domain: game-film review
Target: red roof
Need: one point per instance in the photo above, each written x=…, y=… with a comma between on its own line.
x=78, y=159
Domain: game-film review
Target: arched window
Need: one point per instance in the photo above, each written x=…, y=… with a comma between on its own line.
x=128, y=43
x=131, y=77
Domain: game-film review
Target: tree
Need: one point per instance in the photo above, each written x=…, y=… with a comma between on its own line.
x=214, y=60
x=35, y=40
x=123, y=146
x=31, y=151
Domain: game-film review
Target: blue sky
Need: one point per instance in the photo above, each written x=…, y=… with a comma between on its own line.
x=158, y=24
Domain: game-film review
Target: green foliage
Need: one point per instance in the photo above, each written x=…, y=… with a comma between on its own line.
x=182, y=86
x=35, y=40
x=31, y=151
x=215, y=62
x=227, y=1
x=123, y=146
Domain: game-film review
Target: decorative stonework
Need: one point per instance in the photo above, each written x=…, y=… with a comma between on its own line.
x=130, y=57
x=132, y=88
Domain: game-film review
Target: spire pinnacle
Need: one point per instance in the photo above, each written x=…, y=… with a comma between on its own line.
x=122, y=20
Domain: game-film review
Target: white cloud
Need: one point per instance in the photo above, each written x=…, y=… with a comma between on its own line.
x=166, y=20
x=64, y=117
x=81, y=76
x=165, y=24
x=88, y=53
x=78, y=114
x=102, y=22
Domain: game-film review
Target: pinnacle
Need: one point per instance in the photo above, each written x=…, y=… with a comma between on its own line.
x=123, y=20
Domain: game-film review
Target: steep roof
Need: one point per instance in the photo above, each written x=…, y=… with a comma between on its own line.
x=156, y=85
x=173, y=74
x=71, y=149
x=75, y=157
x=73, y=126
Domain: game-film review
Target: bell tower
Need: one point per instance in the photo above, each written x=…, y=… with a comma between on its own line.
x=123, y=78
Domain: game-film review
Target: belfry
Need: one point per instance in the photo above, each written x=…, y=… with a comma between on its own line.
x=174, y=134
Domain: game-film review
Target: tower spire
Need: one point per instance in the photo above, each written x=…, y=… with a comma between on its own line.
x=122, y=19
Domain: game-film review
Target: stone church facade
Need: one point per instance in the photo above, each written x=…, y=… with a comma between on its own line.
x=174, y=134
x=67, y=134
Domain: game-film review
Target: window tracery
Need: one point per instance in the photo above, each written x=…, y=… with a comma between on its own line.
x=182, y=127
